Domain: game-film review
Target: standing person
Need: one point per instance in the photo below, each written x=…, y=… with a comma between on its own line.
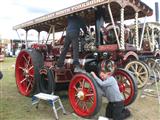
x=72, y=33
x=23, y=46
x=115, y=108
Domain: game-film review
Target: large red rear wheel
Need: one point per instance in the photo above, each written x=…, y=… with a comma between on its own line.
x=127, y=85
x=84, y=95
x=28, y=64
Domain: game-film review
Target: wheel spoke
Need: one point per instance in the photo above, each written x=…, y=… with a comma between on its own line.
x=139, y=80
x=31, y=75
x=140, y=69
x=136, y=68
x=143, y=78
x=127, y=84
x=91, y=100
x=133, y=68
x=75, y=88
x=25, y=58
x=29, y=84
x=149, y=64
x=85, y=106
x=89, y=95
x=143, y=73
x=124, y=95
x=30, y=68
x=121, y=79
x=28, y=62
x=153, y=66
x=22, y=68
x=83, y=83
x=126, y=92
x=77, y=102
x=90, y=90
x=23, y=80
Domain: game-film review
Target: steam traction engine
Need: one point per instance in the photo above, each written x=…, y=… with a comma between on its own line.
x=35, y=71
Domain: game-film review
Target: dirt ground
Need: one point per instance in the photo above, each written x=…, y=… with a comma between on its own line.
x=144, y=108
x=14, y=106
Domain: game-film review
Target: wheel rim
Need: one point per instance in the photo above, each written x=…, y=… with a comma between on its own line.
x=24, y=73
x=140, y=71
x=82, y=95
x=125, y=85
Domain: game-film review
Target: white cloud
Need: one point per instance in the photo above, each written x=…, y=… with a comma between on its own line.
x=13, y=12
x=151, y=4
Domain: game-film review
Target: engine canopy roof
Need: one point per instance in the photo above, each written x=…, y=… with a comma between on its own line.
x=87, y=10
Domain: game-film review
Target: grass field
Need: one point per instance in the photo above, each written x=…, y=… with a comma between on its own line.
x=14, y=106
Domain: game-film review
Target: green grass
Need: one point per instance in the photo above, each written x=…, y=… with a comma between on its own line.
x=14, y=106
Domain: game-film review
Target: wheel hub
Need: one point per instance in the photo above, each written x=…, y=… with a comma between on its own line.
x=136, y=73
x=80, y=95
x=26, y=72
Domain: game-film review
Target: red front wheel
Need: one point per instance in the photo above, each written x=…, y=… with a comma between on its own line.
x=27, y=68
x=127, y=85
x=84, y=95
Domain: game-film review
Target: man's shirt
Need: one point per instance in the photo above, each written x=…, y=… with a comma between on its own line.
x=75, y=23
x=110, y=89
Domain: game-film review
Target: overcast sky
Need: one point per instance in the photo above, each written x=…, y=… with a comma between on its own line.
x=13, y=12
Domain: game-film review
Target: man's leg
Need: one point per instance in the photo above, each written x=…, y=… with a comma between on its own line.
x=109, y=110
x=62, y=57
x=119, y=111
x=75, y=45
x=117, y=108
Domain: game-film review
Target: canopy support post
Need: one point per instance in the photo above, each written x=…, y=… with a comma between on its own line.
x=122, y=29
x=53, y=32
x=137, y=33
x=26, y=43
x=142, y=37
x=38, y=37
x=114, y=27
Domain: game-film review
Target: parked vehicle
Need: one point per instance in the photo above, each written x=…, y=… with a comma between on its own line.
x=2, y=54
x=35, y=71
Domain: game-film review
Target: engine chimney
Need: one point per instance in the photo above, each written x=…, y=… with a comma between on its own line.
x=157, y=11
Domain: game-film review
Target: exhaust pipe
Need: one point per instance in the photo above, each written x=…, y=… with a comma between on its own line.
x=157, y=11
